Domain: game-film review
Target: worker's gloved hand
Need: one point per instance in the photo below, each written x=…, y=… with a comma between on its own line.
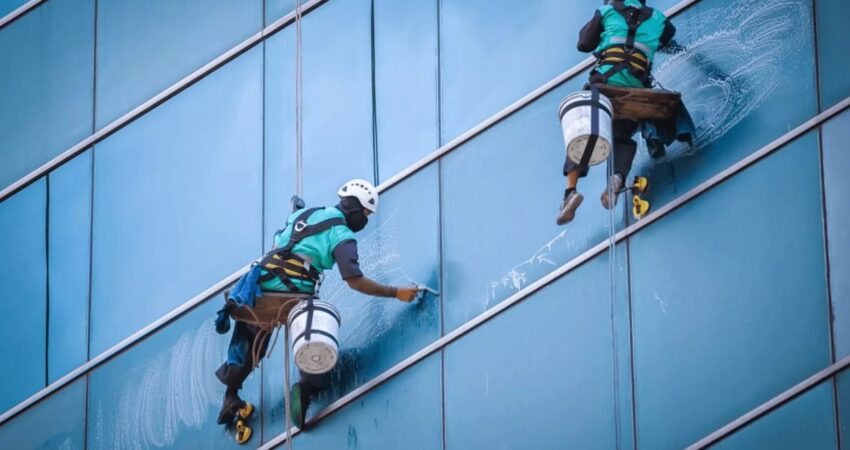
x=407, y=294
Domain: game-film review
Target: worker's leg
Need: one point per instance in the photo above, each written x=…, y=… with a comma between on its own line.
x=303, y=391
x=572, y=198
x=233, y=376
x=625, y=149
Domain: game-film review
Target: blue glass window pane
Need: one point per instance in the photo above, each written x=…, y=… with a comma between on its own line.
x=833, y=35
x=493, y=52
x=144, y=47
x=45, y=84
x=549, y=357
x=403, y=413
x=747, y=77
x=57, y=422
x=178, y=198
x=400, y=244
x=728, y=323
x=23, y=275
x=69, y=239
x=806, y=422
x=843, y=387
x=279, y=131
x=405, y=83
x=337, y=75
x=7, y=6
x=163, y=393
x=836, y=163
x=275, y=9
x=501, y=193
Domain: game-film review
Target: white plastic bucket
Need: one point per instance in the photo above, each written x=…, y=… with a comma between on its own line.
x=576, y=123
x=318, y=353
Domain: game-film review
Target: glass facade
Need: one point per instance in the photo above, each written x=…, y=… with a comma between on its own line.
x=722, y=302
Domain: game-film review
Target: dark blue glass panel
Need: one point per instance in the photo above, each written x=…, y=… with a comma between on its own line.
x=807, y=422
x=836, y=163
x=7, y=6
x=23, y=270
x=178, y=201
x=337, y=75
x=163, y=393
x=722, y=321
x=57, y=422
x=275, y=9
x=747, y=77
x=501, y=193
x=69, y=239
x=45, y=84
x=144, y=47
x=541, y=375
x=403, y=413
x=279, y=131
x=833, y=35
x=843, y=387
x=400, y=244
x=493, y=52
x=405, y=82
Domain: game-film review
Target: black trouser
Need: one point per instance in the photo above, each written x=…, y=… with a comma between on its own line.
x=234, y=376
x=625, y=149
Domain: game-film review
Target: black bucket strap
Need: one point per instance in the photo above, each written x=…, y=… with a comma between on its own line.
x=594, y=127
x=309, y=328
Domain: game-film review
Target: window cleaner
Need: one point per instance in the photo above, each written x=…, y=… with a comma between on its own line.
x=285, y=284
x=618, y=101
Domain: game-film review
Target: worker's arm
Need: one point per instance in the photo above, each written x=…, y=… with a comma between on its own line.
x=591, y=35
x=668, y=33
x=347, y=260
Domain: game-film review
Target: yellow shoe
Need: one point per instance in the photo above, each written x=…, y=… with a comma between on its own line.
x=243, y=432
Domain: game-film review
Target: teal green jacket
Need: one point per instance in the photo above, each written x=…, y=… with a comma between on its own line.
x=608, y=28
x=318, y=248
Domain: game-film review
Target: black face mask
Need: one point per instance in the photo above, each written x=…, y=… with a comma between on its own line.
x=355, y=216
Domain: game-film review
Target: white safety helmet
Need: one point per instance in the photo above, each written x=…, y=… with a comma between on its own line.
x=363, y=191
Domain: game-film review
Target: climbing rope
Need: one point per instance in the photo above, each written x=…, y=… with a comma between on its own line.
x=612, y=267
x=299, y=182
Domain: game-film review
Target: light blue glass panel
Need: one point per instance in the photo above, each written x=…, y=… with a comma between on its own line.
x=279, y=131
x=405, y=82
x=722, y=321
x=163, y=393
x=45, y=84
x=541, y=375
x=843, y=387
x=400, y=244
x=178, y=201
x=403, y=413
x=7, y=6
x=833, y=35
x=69, y=239
x=836, y=163
x=747, y=77
x=337, y=77
x=501, y=193
x=144, y=47
x=57, y=422
x=494, y=52
x=23, y=270
x=807, y=423
x=275, y=9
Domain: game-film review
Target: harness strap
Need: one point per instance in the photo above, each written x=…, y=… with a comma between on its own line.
x=633, y=59
x=281, y=263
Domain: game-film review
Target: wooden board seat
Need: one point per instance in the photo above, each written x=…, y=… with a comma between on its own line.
x=270, y=310
x=641, y=103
